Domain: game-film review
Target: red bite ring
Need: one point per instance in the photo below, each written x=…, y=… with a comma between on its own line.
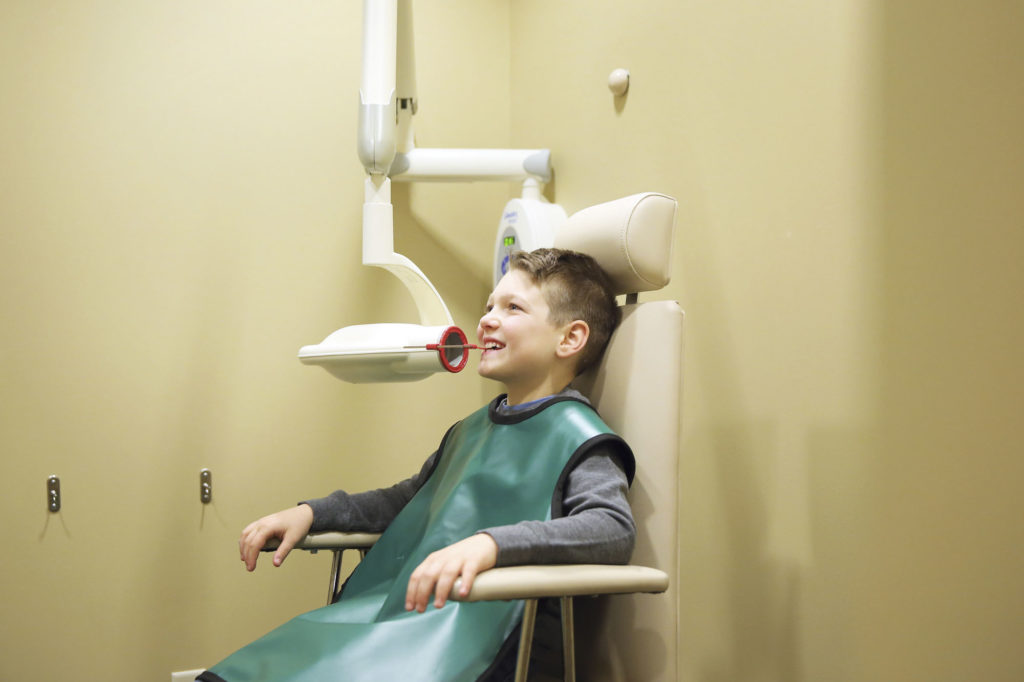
x=451, y=349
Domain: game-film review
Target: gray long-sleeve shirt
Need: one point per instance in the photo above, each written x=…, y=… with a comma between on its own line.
x=597, y=525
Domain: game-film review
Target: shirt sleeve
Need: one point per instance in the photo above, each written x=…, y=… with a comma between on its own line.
x=367, y=512
x=597, y=527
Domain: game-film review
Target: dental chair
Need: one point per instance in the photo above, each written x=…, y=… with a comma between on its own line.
x=625, y=634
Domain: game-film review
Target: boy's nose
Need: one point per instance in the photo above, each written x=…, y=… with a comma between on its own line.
x=487, y=323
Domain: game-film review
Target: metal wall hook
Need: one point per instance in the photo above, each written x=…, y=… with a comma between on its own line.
x=53, y=493
x=205, y=486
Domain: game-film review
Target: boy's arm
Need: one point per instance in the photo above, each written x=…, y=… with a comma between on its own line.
x=597, y=527
x=371, y=511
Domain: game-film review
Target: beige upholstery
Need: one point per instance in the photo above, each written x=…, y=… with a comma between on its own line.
x=534, y=582
x=637, y=390
x=317, y=541
x=630, y=237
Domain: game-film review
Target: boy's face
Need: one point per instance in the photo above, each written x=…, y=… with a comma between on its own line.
x=521, y=342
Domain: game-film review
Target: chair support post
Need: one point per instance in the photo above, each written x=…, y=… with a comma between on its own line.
x=526, y=639
x=332, y=588
x=568, y=641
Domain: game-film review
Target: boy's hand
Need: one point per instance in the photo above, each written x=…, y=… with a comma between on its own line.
x=438, y=572
x=289, y=526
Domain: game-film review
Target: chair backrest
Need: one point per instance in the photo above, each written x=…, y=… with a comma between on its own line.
x=637, y=388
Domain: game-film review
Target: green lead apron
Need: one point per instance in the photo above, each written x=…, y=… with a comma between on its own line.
x=490, y=474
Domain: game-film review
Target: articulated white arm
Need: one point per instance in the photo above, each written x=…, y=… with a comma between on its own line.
x=386, y=148
x=379, y=250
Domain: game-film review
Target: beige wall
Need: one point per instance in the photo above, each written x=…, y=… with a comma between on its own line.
x=178, y=192
x=180, y=204
x=849, y=256
x=948, y=537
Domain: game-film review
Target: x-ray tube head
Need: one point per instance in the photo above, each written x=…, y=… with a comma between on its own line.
x=375, y=353
x=526, y=224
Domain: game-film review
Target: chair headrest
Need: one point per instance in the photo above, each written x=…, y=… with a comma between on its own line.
x=631, y=238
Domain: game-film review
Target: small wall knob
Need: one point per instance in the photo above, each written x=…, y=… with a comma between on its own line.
x=618, y=82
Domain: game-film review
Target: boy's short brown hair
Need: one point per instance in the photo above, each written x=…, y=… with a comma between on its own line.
x=575, y=288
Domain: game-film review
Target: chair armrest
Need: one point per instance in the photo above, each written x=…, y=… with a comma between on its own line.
x=536, y=581
x=330, y=541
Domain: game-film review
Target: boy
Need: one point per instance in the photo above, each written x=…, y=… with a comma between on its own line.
x=535, y=477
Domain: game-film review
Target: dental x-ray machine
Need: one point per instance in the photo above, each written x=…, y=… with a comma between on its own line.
x=386, y=147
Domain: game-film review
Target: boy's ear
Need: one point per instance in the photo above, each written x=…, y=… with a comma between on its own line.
x=574, y=338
